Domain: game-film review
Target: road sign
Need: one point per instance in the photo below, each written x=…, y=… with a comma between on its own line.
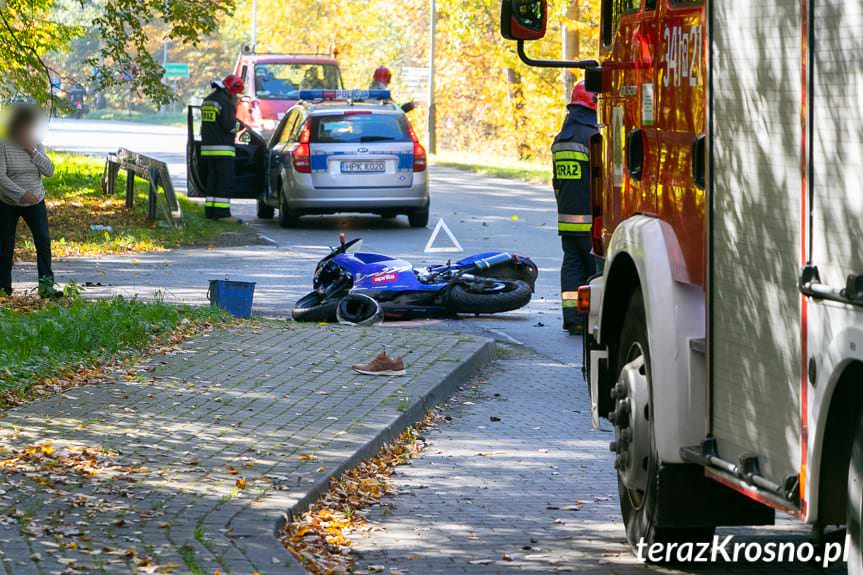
x=416, y=81
x=176, y=70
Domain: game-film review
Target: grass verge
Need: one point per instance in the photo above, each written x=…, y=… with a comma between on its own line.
x=76, y=202
x=49, y=347
x=177, y=119
x=526, y=171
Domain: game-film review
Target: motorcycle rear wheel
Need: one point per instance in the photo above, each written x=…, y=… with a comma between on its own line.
x=474, y=298
x=311, y=308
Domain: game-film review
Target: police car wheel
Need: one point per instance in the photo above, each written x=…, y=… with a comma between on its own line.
x=855, y=505
x=265, y=212
x=419, y=218
x=287, y=218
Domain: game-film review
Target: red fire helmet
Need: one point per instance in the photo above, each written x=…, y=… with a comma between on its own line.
x=383, y=75
x=581, y=97
x=234, y=84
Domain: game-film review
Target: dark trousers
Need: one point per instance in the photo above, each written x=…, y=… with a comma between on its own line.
x=36, y=218
x=578, y=266
x=220, y=183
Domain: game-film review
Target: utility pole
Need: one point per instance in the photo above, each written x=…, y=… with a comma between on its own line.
x=254, y=24
x=432, y=111
x=165, y=62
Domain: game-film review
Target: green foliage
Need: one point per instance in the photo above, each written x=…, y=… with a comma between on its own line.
x=116, y=34
x=27, y=33
x=62, y=336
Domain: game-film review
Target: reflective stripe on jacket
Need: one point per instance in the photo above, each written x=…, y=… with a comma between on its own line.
x=571, y=157
x=218, y=151
x=218, y=203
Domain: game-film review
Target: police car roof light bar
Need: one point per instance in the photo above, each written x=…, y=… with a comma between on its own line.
x=350, y=95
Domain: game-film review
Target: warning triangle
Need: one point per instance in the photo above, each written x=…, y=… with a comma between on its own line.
x=455, y=248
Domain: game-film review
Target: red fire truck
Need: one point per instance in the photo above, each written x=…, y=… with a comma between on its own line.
x=726, y=331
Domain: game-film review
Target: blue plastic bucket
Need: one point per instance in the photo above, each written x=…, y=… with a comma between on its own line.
x=234, y=297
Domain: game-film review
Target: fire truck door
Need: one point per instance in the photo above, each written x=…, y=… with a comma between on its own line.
x=837, y=225
x=756, y=219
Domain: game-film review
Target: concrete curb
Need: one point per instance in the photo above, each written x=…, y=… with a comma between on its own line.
x=477, y=354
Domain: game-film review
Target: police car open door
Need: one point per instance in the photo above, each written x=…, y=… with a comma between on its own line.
x=251, y=161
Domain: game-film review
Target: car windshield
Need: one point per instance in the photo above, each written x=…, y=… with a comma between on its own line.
x=355, y=128
x=276, y=81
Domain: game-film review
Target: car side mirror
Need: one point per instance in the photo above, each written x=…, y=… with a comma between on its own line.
x=408, y=107
x=523, y=19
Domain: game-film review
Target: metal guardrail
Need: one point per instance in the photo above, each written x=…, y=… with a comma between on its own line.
x=151, y=170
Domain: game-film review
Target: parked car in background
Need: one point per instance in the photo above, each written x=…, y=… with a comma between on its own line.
x=273, y=80
x=346, y=152
x=333, y=152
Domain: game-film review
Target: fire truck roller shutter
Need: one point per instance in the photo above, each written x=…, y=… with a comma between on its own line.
x=674, y=310
x=756, y=228
x=835, y=331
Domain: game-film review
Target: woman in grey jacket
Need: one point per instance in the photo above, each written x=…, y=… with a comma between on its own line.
x=23, y=164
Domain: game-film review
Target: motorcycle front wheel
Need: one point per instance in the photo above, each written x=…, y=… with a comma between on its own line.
x=487, y=297
x=312, y=308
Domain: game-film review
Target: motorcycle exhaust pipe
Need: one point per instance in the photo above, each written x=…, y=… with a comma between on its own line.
x=493, y=261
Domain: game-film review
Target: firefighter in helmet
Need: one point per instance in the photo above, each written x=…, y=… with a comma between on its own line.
x=381, y=79
x=219, y=129
x=571, y=156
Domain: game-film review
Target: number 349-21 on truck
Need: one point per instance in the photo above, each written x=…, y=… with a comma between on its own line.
x=725, y=337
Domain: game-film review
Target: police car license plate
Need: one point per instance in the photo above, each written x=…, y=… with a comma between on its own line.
x=363, y=166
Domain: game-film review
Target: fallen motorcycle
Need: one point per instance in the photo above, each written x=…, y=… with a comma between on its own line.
x=486, y=283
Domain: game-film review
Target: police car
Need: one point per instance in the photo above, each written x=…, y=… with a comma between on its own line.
x=335, y=151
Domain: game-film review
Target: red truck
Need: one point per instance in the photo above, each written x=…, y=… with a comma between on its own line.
x=273, y=81
x=725, y=334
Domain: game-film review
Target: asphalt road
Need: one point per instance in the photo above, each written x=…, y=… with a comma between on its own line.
x=484, y=214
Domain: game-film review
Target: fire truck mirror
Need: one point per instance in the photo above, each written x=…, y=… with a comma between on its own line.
x=635, y=154
x=593, y=80
x=699, y=160
x=523, y=19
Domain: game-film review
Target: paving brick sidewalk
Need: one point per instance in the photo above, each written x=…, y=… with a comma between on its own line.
x=518, y=482
x=198, y=453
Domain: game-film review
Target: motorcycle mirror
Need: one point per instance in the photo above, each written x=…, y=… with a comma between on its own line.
x=342, y=238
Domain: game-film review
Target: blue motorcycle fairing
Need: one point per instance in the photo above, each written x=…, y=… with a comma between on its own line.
x=382, y=273
x=377, y=272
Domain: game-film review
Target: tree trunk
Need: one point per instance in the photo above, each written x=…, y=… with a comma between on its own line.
x=571, y=47
x=516, y=99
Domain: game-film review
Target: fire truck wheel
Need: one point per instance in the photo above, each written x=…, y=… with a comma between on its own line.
x=637, y=461
x=855, y=506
